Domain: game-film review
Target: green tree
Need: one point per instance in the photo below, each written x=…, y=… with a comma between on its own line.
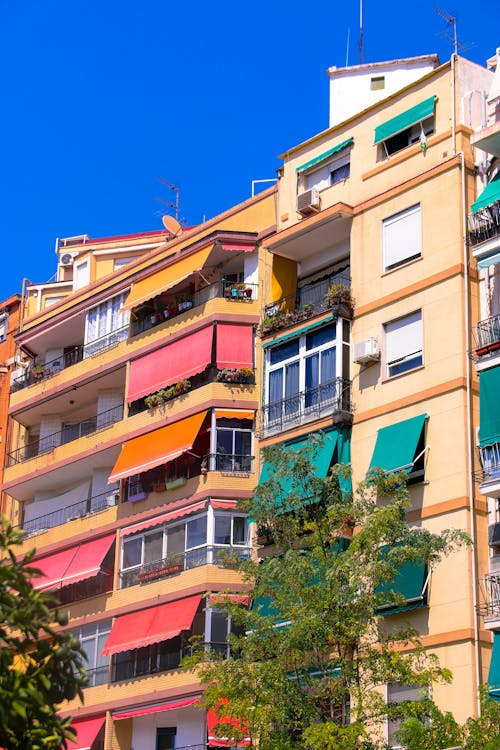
x=316, y=655
x=40, y=666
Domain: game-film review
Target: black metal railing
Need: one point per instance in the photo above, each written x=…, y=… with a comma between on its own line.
x=484, y=224
x=107, y=341
x=88, y=507
x=229, y=462
x=69, y=433
x=313, y=403
x=488, y=335
x=230, y=290
x=42, y=371
x=137, y=664
x=174, y=564
x=490, y=595
x=308, y=300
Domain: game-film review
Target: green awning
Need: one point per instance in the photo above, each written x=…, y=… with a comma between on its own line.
x=409, y=581
x=300, y=331
x=321, y=460
x=490, y=194
x=325, y=155
x=490, y=260
x=494, y=673
x=396, y=446
x=405, y=120
x=489, y=406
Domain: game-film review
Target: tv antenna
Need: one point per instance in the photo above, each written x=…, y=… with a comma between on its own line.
x=361, y=44
x=452, y=37
x=170, y=204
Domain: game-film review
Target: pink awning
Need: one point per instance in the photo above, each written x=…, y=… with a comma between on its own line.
x=242, y=599
x=213, y=720
x=181, y=359
x=164, y=518
x=152, y=625
x=144, y=710
x=72, y=565
x=224, y=504
x=245, y=247
x=234, y=346
x=86, y=731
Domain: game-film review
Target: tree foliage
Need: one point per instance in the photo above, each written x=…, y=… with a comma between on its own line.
x=40, y=666
x=311, y=668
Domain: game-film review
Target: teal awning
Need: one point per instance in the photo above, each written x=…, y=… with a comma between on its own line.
x=409, y=581
x=405, y=120
x=325, y=155
x=490, y=194
x=396, y=446
x=322, y=461
x=489, y=406
x=491, y=260
x=494, y=673
x=300, y=331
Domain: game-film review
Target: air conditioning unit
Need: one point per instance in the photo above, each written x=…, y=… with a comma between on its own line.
x=67, y=259
x=366, y=351
x=308, y=202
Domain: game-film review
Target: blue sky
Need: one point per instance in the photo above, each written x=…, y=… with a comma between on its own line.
x=100, y=98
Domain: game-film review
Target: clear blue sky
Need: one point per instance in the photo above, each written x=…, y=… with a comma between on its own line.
x=101, y=97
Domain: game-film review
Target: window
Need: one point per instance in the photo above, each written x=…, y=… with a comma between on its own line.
x=92, y=639
x=120, y=262
x=234, y=445
x=49, y=301
x=4, y=322
x=82, y=275
x=230, y=530
x=302, y=374
x=408, y=136
x=105, y=325
x=329, y=174
x=402, y=237
x=398, y=693
x=403, y=344
x=377, y=83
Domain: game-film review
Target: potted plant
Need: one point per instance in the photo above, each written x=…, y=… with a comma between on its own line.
x=339, y=297
x=38, y=370
x=307, y=310
x=246, y=375
x=248, y=292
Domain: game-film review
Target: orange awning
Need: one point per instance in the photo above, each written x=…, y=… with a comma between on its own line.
x=157, y=447
x=153, y=625
x=168, y=277
x=234, y=414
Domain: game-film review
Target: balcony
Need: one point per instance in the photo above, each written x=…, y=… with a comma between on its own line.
x=331, y=399
x=153, y=660
x=159, y=310
x=488, y=336
x=484, y=225
x=332, y=294
x=67, y=435
x=94, y=504
x=175, y=564
x=98, y=676
x=490, y=595
x=494, y=534
x=489, y=476
x=43, y=370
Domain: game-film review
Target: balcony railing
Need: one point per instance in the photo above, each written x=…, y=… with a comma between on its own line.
x=232, y=463
x=174, y=564
x=321, y=401
x=84, y=508
x=494, y=534
x=39, y=372
x=308, y=300
x=105, y=342
x=488, y=335
x=69, y=433
x=484, y=224
x=490, y=459
x=490, y=590
x=143, y=665
x=228, y=289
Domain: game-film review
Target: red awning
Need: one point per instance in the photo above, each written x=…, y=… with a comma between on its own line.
x=86, y=731
x=153, y=625
x=213, y=740
x=72, y=565
x=234, y=598
x=171, y=363
x=245, y=247
x=144, y=710
x=224, y=504
x=164, y=518
x=234, y=346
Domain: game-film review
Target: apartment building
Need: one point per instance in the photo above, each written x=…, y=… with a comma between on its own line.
x=371, y=296
x=484, y=240
x=132, y=419
x=9, y=322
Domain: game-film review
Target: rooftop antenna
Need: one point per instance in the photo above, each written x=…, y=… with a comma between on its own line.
x=361, y=50
x=347, y=47
x=171, y=204
x=452, y=37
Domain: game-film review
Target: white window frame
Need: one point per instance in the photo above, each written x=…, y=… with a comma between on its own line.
x=102, y=628
x=411, y=219
x=121, y=262
x=4, y=325
x=81, y=274
x=311, y=178
x=232, y=543
x=107, y=320
x=397, y=356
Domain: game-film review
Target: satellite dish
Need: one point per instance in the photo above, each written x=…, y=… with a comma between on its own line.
x=172, y=225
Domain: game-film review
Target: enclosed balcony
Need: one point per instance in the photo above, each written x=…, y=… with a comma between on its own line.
x=489, y=606
x=488, y=336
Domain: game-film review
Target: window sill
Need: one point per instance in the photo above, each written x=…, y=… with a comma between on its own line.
x=390, y=378
x=403, y=265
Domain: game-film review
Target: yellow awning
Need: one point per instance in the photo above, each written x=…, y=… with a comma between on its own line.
x=157, y=447
x=168, y=277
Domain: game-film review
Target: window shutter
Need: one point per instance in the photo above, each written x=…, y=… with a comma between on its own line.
x=402, y=237
x=403, y=337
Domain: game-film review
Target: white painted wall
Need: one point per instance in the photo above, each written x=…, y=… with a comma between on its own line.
x=251, y=269
x=350, y=90
x=107, y=400
x=190, y=723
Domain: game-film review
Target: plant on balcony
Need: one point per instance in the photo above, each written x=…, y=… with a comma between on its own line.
x=160, y=397
x=38, y=370
x=243, y=375
x=238, y=291
x=339, y=295
x=167, y=566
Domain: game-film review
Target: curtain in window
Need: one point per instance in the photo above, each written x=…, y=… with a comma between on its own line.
x=312, y=379
x=292, y=388
x=91, y=325
x=328, y=384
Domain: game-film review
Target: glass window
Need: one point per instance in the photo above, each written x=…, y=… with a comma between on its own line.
x=219, y=627
x=153, y=546
x=240, y=528
x=403, y=344
x=222, y=534
x=328, y=174
x=196, y=532
x=132, y=552
x=397, y=693
x=176, y=539
x=106, y=318
x=284, y=351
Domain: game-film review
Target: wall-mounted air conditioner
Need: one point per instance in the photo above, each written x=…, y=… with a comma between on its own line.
x=308, y=202
x=67, y=259
x=366, y=351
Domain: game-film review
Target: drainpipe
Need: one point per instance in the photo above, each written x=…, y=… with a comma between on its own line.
x=469, y=432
